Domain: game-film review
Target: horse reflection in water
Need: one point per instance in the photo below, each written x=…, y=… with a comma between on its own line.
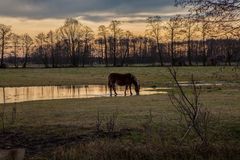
x=123, y=80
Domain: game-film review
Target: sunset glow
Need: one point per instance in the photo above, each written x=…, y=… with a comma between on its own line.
x=34, y=17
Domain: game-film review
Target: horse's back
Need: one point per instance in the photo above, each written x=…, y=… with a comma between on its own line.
x=120, y=79
x=119, y=75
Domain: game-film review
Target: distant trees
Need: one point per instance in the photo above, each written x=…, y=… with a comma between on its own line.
x=70, y=33
x=15, y=39
x=103, y=32
x=190, y=27
x=27, y=43
x=173, y=27
x=125, y=43
x=198, y=39
x=88, y=36
x=154, y=29
x=115, y=31
x=51, y=40
x=4, y=38
x=41, y=42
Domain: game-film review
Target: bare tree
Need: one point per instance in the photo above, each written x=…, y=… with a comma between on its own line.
x=226, y=8
x=51, y=42
x=70, y=33
x=190, y=28
x=103, y=32
x=173, y=27
x=154, y=28
x=115, y=32
x=41, y=42
x=4, y=38
x=197, y=118
x=15, y=39
x=221, y=11
x=27, y=43
x=88, y=36
x=126, y=42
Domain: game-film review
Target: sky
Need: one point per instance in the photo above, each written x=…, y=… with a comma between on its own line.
x=35, y=16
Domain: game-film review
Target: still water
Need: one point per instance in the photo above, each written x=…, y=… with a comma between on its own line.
x=23, y=94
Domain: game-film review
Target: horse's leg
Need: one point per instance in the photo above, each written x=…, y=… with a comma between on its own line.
x=110, y=90
x=125, y=92
x=110, y=85
x=130, y=88
x=114, y=89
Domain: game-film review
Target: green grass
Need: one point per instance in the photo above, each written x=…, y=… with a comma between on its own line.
x=149, y=76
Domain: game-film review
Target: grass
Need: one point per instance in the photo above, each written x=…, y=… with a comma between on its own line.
x=71, y=124
x=149, y=76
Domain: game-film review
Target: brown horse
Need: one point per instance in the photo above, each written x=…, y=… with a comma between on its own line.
x=123, y=80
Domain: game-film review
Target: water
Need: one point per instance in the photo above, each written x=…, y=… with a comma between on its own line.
x=24, y=94
x=198, y=84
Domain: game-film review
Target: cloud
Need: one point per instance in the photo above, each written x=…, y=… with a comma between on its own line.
x=91, y=10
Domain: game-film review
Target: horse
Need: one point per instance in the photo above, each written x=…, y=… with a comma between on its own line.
x=123, y=80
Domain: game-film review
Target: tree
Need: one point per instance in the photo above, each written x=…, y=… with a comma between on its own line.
x=4, y=38
x=103, y=32
x=15, y=39
x=50, y=41
x=226, y=8
x=154, y=30
x=41, y=42
x=88, y=36
x=224, y=12
x=204, y=29
x=173, y=27
x=115, y=32
x=126, y=42
x=70, y=32
x=27, y=42
x=190, y=28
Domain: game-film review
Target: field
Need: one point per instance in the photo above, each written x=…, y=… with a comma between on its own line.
x=137, y=127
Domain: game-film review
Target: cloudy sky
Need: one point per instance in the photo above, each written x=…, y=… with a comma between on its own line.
x=34, y=16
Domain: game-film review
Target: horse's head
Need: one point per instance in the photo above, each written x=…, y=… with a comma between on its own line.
x=137, y=87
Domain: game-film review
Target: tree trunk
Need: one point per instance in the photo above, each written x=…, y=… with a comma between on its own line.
x=125, y=55
x=189, y=52
x=114, y=52
x=105, y=50
x=25, y=59
x=53, y=58
x=159, y=52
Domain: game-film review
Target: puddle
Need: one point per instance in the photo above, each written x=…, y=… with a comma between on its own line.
x=198, y=84
x=24, y=94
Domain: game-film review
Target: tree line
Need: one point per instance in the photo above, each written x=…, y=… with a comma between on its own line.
x=209, y=35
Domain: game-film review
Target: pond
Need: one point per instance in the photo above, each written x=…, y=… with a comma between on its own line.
x=24, y=94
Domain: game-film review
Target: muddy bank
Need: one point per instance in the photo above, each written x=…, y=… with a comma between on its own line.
x=37, y=143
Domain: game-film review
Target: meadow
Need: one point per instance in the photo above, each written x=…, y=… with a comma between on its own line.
x=132, y=127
